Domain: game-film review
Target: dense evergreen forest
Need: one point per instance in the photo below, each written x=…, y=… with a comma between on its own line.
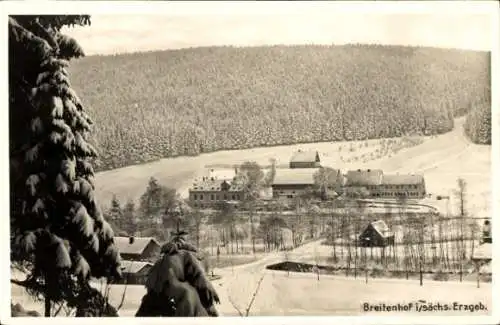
x=185, y=102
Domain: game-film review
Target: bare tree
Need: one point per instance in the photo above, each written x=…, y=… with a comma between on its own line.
x=461, y=194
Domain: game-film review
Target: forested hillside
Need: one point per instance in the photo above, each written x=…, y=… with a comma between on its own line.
x=185, y=102
x=478, y=124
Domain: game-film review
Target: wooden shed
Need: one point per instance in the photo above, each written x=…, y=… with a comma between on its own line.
x=135, y=272
x=376, y=234
x=138, y=248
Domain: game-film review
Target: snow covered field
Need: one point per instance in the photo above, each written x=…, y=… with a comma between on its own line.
x=442, y=159
x=302, y=294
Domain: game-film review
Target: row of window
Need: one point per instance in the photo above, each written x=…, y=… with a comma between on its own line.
x=216, y=197
x=204, y=205
x=394, y=194
x=392, y=187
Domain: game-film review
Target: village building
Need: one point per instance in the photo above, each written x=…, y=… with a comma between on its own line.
x=305, y=159
x=138, y=248
x=376, y=234
x=210, y=192
x=134, y=272
x=290, y=183
x=358, y=181
x=394, y=186
x=378, y=185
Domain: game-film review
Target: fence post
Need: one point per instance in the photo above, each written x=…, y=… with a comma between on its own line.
x=421, y=272
x=478, y=268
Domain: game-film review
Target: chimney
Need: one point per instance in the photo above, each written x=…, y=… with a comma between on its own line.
x=131, y=240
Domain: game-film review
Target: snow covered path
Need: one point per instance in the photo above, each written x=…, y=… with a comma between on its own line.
x=283, y=294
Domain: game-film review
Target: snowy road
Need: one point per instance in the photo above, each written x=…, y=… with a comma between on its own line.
x=302, y=294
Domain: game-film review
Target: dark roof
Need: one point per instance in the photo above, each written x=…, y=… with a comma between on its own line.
x=305, y=156
x=209, y=184
x=381, y=228
x=136, y=247
x=402, y=179
x=134, y=266
x=364, y=177
x=294, y=176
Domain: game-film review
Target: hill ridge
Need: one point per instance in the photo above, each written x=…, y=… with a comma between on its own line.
x=181, y=103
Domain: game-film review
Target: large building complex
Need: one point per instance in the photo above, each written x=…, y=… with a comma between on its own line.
x=302, y=176
x=209, y=192
x=376, y=184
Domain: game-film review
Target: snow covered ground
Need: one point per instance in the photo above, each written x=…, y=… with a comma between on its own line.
x=442, y=159
x=282, y=294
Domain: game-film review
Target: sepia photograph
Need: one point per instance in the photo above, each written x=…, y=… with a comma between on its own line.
x=241, y=159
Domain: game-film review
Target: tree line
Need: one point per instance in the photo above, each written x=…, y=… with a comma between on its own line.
x=478, y=124
x=190, y=101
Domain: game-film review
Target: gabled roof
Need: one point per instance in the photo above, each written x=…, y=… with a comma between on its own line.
x=305, y=156
x=295, y=176
x=136, y=247
x=381, y=228
x=402, y=179
x=364, y=177
x=134, y=266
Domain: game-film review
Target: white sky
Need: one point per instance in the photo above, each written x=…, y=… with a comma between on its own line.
x=129, y=33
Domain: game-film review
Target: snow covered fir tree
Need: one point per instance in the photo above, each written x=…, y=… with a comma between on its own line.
x=58, y=234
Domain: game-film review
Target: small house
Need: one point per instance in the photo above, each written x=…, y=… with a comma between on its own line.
x=305, y=159
x=135, y=272
x=376, y=234
x=138, y=248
